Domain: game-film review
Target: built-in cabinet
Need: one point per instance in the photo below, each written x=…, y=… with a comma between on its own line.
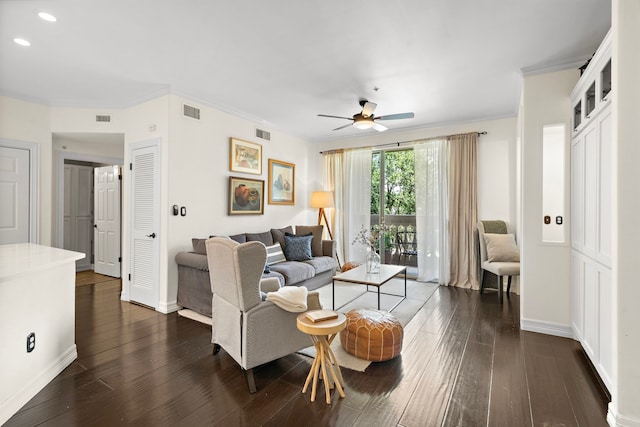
x=592, y=294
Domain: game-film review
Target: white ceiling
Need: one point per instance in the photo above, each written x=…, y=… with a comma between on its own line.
x=281, y=62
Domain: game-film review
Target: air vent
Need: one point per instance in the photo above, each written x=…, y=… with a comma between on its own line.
x=263, y=134
x=103, y=118
x=192, y=112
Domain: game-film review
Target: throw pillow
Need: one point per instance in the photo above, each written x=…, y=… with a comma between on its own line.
x=260, y=237
x=297, y=248
x=199, y=246
x=278, y=234
x=275, y=254
x=316, y=242
x=501, y=248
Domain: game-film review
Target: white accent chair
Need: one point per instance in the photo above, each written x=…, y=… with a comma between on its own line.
x=250, y=330
x=507, y=267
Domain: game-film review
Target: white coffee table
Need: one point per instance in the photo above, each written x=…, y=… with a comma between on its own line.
x=359, y=275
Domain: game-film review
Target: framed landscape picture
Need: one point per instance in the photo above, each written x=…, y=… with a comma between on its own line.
x=245, y=156
x=246, y=196
x=282, y=183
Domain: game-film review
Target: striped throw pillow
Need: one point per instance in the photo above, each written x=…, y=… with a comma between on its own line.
x=275, y=254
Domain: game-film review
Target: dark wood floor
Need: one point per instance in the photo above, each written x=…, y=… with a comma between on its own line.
x=465, y=362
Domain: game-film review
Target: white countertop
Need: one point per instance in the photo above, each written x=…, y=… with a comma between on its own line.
x=21, y=258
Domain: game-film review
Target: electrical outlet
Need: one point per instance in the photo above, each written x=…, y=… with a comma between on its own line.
x=31, y=342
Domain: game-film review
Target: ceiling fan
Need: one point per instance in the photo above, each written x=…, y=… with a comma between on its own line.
x=366, y=120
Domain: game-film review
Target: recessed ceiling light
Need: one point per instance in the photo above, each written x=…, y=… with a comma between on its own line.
x=22, y=42
x=47, y=16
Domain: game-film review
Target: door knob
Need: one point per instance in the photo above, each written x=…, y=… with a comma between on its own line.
x=152, y=235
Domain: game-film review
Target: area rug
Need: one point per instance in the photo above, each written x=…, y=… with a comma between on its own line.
x=350, y=296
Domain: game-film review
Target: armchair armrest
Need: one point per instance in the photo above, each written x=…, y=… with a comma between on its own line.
x=269, y=284
x=193, y=260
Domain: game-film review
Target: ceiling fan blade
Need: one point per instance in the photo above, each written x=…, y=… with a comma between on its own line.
x=368, y=108
x=379, y=127
x=335, y=117
x=345, y=126
x=396, y=116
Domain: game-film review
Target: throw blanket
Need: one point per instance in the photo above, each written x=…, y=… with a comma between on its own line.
x=495, y=227
x=290, y=298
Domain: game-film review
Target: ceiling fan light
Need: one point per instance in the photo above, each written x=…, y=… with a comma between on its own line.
x=363, y=124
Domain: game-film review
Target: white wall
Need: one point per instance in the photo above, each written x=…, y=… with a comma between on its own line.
x=198, y=178
x=544, y=268
x=624, y=409
x=26, y=121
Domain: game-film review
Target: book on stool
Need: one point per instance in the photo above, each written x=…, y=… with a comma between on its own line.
x=320, y=315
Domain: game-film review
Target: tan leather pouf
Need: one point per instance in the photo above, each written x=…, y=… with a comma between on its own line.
x=372, y=335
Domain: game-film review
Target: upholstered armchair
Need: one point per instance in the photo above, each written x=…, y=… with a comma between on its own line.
x=499, y=253
x=250, y=330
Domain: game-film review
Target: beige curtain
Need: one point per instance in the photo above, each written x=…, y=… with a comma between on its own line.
x=463, y=210
x=332, y=172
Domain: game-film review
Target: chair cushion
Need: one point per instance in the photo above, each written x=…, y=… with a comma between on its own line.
x=502, y=268
x=316, y=242
x=501, y=248
x=297, y=248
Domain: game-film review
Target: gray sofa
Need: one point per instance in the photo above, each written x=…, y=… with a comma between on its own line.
x=194, y=285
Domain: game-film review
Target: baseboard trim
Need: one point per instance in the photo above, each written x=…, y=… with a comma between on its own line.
x=547, y=328
x=167, y=308
x=616, y=420
x=13, y=404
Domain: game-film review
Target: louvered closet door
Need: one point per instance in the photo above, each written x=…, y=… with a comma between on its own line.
x=145, y=245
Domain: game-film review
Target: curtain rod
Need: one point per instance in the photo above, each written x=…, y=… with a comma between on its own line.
x=397, y=144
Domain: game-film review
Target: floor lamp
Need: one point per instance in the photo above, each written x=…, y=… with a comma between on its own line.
x=322, y=200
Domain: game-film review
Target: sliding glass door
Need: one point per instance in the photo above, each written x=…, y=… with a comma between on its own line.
x=393, y=206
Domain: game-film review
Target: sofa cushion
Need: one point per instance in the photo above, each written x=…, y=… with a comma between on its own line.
x=322, y=263
x=278, y=234
x=297, y=248
x=240, y=238
x=316, y=242
x=293, y=271
x=265, y=238
x=275, y=254
x=198, y=246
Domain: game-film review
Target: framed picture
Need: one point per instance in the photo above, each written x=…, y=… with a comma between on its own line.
x=245, y=156
x=246, y=196
x=282, y=183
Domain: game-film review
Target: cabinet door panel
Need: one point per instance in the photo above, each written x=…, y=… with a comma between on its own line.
x=605, y=325
x=577, y=294
x=590, y=189
x=591, y=317
x=577, y=194
x=603, y=254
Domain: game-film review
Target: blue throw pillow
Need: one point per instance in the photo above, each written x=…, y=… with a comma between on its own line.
x=297, y=248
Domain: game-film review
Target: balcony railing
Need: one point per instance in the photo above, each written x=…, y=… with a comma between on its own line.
x=399, y=244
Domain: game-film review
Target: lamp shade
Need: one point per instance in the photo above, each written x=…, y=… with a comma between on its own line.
x=322, y=199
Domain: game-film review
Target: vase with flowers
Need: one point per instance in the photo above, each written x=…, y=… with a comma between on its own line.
x=370, y=238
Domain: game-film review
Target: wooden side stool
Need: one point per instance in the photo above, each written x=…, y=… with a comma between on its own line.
x=322, y=334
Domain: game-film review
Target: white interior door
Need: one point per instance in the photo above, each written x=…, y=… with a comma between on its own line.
x=145, y=227
x=106, y=231
x=14, y=194
x=78, y=212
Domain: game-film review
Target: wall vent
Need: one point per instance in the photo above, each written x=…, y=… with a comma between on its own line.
x=190, y=111
x=263, y=134
x=103, y=118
